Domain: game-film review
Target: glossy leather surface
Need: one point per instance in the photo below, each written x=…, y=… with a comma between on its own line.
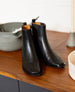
x=30, y=61
x=43, y=48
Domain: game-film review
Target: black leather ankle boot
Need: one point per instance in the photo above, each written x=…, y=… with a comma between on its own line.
x=30, y=62
x=43, y=49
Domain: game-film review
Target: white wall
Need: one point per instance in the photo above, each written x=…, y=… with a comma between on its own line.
x=55, y=13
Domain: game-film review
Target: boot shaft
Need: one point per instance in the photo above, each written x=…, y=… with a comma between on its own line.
x=39, y=30
x=27, y=37
x=26, y=33
x=28, y=49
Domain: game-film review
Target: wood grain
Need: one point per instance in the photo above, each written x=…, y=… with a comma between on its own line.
x=57, y=80
x=7, y=75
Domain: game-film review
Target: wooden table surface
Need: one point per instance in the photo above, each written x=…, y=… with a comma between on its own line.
x=57, y=80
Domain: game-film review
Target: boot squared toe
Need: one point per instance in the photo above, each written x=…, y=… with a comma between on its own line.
x=33, y=73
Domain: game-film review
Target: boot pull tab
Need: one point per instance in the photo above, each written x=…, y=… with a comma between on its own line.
x=33, y=20
x=24, y=23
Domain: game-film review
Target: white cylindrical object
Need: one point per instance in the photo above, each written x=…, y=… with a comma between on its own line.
x=71, y=61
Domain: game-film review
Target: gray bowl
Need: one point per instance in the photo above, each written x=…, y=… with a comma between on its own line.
x=8, y=40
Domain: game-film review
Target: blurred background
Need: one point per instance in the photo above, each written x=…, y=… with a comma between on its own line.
x=55, y=13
